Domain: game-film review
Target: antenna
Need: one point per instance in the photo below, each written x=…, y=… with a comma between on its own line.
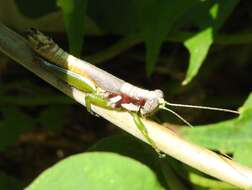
x=177, y=115
x=201, y=107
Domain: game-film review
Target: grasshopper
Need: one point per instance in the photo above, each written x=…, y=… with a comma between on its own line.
x=102, y=88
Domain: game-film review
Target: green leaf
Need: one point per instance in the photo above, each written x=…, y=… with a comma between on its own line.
x=210, y=22
x=232, y=136
x=129, y=146
x=168, y=170
x=14, y=123
x=247, y=106
x=97, y=170
x=201, y=180
x=198, y=47
x=157, y=19
x=74, y=14
x=149, y=20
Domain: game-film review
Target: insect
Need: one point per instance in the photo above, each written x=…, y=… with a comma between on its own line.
x=102, y=88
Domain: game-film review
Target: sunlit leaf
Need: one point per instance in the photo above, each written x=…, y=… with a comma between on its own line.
x=210, y=22
x=198, y=47
x=232, y=136
x=247, y=105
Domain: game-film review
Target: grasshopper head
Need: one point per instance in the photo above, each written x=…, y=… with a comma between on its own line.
x=152, y=104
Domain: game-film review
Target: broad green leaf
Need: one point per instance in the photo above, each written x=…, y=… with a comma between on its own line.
x=167, y=169
x=14, y=123
x=129, y=146
x=232, y=136
x=74, y=13
x=97, y=170
x=198, y=46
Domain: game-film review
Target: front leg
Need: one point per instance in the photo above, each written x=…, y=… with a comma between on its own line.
x=93, y=99
x=144, y=132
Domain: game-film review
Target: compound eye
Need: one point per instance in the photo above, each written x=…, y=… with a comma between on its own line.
x=159, y=93
x=149, y=107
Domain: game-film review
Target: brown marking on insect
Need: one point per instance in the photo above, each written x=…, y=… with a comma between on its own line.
x=125, y=99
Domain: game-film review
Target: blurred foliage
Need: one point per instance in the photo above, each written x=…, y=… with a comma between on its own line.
x=19, y=123
x=32, y=115
x=8, y=182
x=74, y=12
